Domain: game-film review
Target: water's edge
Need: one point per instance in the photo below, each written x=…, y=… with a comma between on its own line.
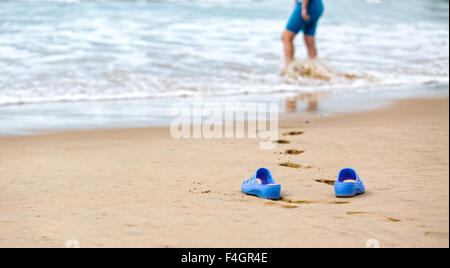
x=33, y=119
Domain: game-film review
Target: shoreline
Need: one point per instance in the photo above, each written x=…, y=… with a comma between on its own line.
x=141, y=188
x=32, y=119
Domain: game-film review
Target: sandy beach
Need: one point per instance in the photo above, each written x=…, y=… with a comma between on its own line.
x=90, y=92
x=142, y=188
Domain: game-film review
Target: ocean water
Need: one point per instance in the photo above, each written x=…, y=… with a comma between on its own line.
x=87, y=50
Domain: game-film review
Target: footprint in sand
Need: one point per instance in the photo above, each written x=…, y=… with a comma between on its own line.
x=283, y=142
x=289, y=203
x=194, y=189
x=373, y=214
x=294, y=133
x=294, y=152
x=293, y=165
x=437, y=234
x=327, y=181
x=271, y=203
x=307, y=202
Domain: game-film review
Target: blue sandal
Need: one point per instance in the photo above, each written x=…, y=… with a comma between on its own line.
x=266, y=189
x=348, y=184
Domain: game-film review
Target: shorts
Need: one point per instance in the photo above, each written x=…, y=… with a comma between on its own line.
x=297, y=23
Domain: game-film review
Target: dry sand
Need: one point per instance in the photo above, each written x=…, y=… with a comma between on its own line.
x=141, y=188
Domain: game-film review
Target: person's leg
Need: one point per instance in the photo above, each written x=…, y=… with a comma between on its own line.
x=310, y=32
x=294, y=25
x=310, y=42
x=289, y=50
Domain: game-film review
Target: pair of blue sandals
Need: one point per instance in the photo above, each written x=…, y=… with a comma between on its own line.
x=262, y=184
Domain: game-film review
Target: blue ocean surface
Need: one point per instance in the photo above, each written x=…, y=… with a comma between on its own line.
x=103, y=50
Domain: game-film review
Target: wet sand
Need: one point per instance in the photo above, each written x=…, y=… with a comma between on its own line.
x=141, y=188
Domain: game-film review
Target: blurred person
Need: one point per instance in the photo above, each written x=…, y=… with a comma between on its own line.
x=304, y=19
